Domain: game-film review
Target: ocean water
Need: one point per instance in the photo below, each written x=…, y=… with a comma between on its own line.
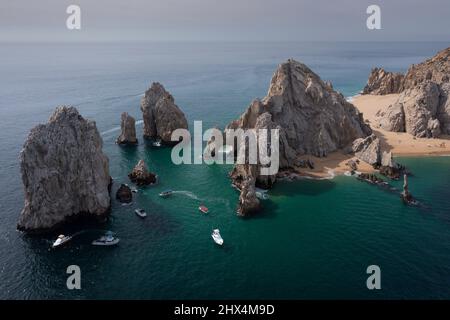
x=314, y=239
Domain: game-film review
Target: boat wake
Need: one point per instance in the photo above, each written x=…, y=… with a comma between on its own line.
x=187, y=194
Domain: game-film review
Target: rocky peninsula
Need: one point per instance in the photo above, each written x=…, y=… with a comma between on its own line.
x=64, y=172
x=312, y=118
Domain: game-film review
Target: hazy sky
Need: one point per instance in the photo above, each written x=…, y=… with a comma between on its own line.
x=240, y=20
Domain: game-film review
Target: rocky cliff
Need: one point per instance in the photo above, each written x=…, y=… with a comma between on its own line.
x=161, y=115
x=435, y=69
x=311, y=117
x=64, y=172
x=423, y=107
x=127, y=130
x=382, y=82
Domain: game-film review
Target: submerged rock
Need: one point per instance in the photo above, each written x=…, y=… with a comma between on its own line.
x=382, y=82
x=141, y=176
x=161, y=115
x=124, y=194
x=64, y=171
x=128, y=130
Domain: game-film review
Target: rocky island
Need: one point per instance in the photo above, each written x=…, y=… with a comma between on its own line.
x=127, y=130
x=141, y=176
x=161, y=115
x=64, y=172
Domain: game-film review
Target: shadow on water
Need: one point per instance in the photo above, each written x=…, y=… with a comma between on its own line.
x=269, y=211
x=302, y=187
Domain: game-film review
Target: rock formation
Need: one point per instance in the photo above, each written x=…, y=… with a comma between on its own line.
x=368, y=149
x=64, y=172
x=243, y=177
x=124, y=194
x=416, y=112
x=435, y=69
x=141, y=176
x=423, y=107
x=161, y=115
x=311, y=117
x=382, y=82
x=406, y=195
x=128, y=130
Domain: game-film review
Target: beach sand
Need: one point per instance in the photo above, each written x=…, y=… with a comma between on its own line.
x=399, y=143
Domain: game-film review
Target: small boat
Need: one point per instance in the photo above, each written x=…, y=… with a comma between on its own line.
x=134, y=190
x=107, y=240
x=157, y=143
x=141, y=213
x=61, y=240
x=217, y=237
x=261, y=194
x=166, y=193
x=203, y=209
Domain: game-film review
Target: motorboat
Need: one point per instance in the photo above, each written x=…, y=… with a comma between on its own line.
x=261, y=194
x=107, y=240
x=157, y=143
x=217, y=237
x=134, y=190
x=166, y=193
x=203, y=209
x=141, y=213
x=61, y=240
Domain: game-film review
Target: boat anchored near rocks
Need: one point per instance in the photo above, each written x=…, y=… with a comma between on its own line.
x=107, y=240
x=62, y=239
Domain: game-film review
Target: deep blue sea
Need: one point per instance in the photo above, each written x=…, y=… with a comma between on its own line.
x=314, y=239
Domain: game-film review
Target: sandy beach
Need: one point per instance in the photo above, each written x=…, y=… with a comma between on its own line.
x=399, y=143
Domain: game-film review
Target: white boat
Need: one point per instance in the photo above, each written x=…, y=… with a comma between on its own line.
x=134, y=190
x=107, y=240
x=61, y=240
x=166, y=193
x=157, y=143
x=217, y=237
x=141, y=213
x=261, y=194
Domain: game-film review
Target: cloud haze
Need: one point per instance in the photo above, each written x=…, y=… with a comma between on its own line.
x=217, y=20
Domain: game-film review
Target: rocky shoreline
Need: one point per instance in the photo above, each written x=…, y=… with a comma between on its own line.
x=66, y=175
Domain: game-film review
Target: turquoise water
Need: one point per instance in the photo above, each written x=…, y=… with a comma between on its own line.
x=314, y=239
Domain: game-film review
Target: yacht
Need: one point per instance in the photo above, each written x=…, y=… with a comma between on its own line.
x=217, y=237
x=141, y=213
x=107, y=240
x=61, y=240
